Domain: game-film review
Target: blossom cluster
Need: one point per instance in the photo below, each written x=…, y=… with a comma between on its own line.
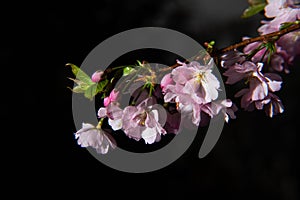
x=260, y=62
x=189, y=95
x=192, y=89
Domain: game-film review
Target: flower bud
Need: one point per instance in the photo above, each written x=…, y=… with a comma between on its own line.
x=97, y=76
x=111, y=98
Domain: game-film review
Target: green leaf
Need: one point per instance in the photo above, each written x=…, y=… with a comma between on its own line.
x=254, y=9
x=78, y=89
x=256, y=2
x=139, y=62
x=128, y=70
x=101, y=85
x=79, y=74
x=91, y=91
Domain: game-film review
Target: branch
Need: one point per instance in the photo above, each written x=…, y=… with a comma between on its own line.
x=266, y=37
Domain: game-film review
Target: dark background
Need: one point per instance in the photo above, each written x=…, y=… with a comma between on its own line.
x=255, y=157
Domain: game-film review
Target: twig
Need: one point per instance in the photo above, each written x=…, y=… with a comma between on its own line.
x=266, y=37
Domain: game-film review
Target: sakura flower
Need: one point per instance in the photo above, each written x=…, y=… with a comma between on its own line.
x=276, y=8
x=94, y=137
x=283, y=11
x=259, y=83
x=193, y=110
x=231, y=58
x=252, y=47
x=97, y=76
x=111, y=98
x=279, y=60
x=239, y=71
x=197, y=80
x=259, y=93
x=144, y=121
x=272, y=103
x=193, y=89
x=226, y=107
x=114, y=114
x=166, y=80
x=290, y=44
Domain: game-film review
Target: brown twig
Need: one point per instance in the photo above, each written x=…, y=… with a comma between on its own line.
x=266, y=37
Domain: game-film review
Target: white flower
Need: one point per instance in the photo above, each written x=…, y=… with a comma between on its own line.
x=91, y=136
x=114, y=114
x=197, y=80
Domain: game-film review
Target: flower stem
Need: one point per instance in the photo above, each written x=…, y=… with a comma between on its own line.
x=100, y=123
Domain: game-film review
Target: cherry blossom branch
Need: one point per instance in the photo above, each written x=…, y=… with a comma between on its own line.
x=268, y=37
x=271, y=36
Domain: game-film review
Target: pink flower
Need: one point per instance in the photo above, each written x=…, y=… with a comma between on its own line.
x=96, y=77
x=253, y=46
x=276, y=8
x=239, y=71
x=114, y=114
x=259, y=83
x=260, y=88
x=279, y=60
x=166, y=80
x=111, y=98
x=231, y=58
x=144, y=121
x=194, y=89
x=272, y=104
x=197, y=80
x=290, y=44
x=91, y=136
x=283, y=11
x=226, y=107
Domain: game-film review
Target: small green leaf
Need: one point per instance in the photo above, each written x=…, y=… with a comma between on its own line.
x=139, y=62
x=91, y=91
x=79, y=74
x=256, y=2
x=78, y=89
x=101, y=85
x=128, y=70
x=254, y=9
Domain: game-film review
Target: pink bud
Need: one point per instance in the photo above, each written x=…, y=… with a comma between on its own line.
x=106, y=101
x=112, y=97
x=166, y=80
x=96, y=77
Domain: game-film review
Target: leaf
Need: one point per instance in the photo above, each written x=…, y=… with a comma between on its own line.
x=256, y=2
x=101, y=85
x=128, y=70
x=91, y=91
x=287, y=24
x=79, y=74
x=78, y=89
x=254, y=9
x=139, y=62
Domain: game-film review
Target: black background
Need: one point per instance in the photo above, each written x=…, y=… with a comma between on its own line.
x=256, y=157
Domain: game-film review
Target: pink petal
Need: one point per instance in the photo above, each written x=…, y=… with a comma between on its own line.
x=102, y=112
x=166, y=80
x=182, y=74
x=106, y=101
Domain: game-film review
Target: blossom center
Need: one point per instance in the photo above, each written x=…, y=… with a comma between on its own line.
x=199, y=77
x=141, y=118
